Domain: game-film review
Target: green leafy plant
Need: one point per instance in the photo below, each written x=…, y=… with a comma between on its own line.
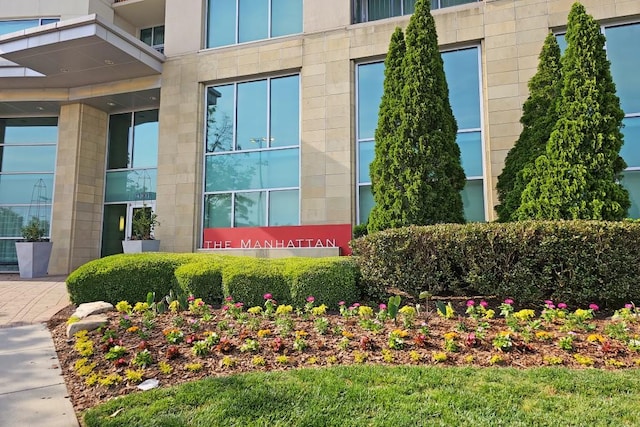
x=143, y=223
x=34, y=231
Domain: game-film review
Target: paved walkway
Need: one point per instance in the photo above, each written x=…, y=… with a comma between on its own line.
x=32, y=390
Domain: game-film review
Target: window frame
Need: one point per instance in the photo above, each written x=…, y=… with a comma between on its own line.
x=237, y=41
x=234, y=150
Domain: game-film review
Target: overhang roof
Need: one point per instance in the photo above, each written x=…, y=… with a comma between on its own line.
x=75, y=53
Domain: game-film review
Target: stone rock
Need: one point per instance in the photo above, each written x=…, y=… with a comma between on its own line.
x=89, y=323
x=89, y=308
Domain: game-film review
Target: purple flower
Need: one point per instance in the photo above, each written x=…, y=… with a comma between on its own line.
x=383, y=306
x=484, y=304
x=471, y=303
x=594, y=307
x=562, y=305
x=508, y=301
x=310, y=299
x=267, y=296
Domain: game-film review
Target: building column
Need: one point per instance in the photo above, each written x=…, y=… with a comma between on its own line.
x=78, y=195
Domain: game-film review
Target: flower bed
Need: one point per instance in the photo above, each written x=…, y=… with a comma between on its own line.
x=194, y=341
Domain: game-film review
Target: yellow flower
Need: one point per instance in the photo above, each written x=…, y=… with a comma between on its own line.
x=593, y=338
x=450, y=336
x=264, y=333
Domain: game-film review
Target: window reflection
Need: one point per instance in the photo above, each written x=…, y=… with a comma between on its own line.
x=238, y=21
x=263, y=118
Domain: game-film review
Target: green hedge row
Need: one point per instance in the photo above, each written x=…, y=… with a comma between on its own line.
x=211, y=277
x=577, y=262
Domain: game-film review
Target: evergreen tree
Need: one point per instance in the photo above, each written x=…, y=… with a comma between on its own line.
x=538, y=119
x=577, y=177
x=384, y=170
x=426, y=173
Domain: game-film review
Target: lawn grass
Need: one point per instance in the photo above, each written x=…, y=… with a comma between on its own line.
x=388, y=396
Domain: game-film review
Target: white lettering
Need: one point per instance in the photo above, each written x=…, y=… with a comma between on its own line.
x=256, y=245
x=207, y=244
x=330, y=243
x=227, y=243
x=268, y=243
x=279, y=243
x=319, y=244
x=245, y=244
x=309, y=242
x=290, y=244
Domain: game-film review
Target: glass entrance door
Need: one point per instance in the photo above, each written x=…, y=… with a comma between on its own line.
x=118, y=224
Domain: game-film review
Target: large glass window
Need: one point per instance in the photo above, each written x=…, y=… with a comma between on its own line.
x=132, y=157
x=372, y=10
x=10, y=26
x=252, y=160
x=463, y=76
x=27, y=166
x=624, y=53
x=238, y=21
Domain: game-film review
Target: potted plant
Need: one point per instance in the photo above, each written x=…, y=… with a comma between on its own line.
x=34, y=251
x=143, y=225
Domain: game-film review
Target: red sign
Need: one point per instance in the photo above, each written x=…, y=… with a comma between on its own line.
x=298, y=236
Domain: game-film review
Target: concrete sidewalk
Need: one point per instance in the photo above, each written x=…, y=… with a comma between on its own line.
x=32, y=389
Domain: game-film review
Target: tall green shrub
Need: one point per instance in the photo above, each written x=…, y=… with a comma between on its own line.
x=577, y=177
x=385, y=169
x=539, y=116
x=427, y=175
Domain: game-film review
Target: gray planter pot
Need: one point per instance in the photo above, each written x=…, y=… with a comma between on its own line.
x=33, y=258
x=138, y=246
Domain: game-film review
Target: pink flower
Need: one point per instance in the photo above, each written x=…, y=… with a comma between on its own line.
x=239, y=305
x=508, y=301
x=549, y=304
x=191, y=298
x=594, y=307
x=341, y=303
x=310, y=299
x=356, y=304
x=628, y=306
x=562, y=305
x=267, y=296
x=471, y=303
x=229, y=298
x=200, y=303
x=225, y=308
x=484, y=304
x=383, y=306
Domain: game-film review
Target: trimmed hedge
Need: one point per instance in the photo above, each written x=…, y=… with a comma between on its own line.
x=328, y=280
x=210, y=277
x=248, y=279
x=125, y=277
x=202, y=278
x=577, y=262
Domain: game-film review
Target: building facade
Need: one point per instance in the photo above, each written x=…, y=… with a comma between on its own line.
x=225, y=114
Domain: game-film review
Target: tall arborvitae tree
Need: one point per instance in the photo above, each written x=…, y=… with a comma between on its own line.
x=577, y=178
x=427, y=173
x=384, y=169
x=539, y=116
